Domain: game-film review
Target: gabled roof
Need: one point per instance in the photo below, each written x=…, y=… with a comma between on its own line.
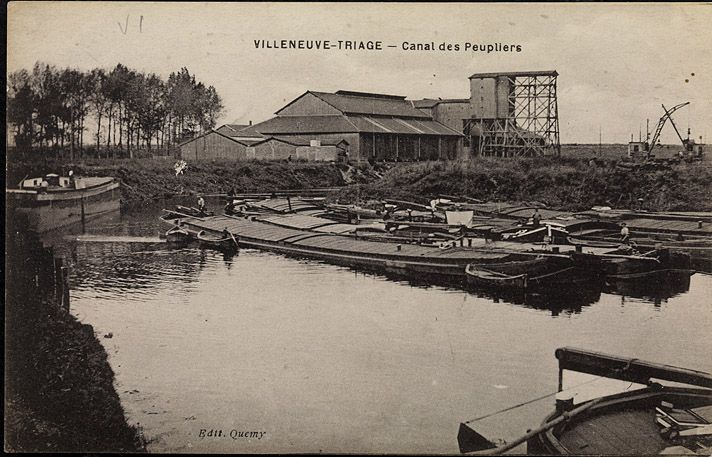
x=299, y=141
x=365, y=103
x=299, y=125
x=227, y=129
x=238, y=131
x=242, y=141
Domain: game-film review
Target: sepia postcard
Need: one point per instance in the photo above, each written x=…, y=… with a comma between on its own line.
x=358, y=228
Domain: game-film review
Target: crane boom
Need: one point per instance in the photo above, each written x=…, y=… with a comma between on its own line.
x=661, y=124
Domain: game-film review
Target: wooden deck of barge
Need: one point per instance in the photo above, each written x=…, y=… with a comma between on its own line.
x=631, y=432
x=353, y=251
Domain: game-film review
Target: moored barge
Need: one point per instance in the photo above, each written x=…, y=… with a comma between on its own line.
x=56, y=201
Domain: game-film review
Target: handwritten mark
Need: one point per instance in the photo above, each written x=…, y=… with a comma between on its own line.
x=124, y=29
x=140, y=25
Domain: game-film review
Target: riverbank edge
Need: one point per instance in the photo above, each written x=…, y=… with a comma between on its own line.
x=148, y=180
x=59, y=386
x=560, y=183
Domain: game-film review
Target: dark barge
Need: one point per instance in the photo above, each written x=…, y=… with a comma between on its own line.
x=651, y=419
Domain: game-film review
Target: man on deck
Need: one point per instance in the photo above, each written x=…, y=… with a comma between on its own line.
x=536, y=218
x=625, y=234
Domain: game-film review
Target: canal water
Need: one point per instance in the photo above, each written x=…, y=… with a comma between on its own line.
x=266, y=353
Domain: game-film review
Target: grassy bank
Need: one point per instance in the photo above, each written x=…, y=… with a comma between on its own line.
x=152, y=179
x=564, y=183
x=59, y=392
x=572, y=182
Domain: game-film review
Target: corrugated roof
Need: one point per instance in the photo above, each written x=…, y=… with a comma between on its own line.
x=431, y=102
x=352, y=124
x=515, y=74
x=402, y=126
x=364, y=104
x=305, y=124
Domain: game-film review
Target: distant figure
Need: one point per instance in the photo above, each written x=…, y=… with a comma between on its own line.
x=225, y=233
x=201, y=204
x=231, y=192
x=680, y=237
x=536, y=218
x=625, y=234
x=230, y=207
x=289, y=159
x=71, y=178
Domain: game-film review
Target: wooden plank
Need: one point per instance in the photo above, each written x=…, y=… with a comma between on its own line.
x=627, y=369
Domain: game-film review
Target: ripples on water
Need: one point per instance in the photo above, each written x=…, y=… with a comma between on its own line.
x=322, y=357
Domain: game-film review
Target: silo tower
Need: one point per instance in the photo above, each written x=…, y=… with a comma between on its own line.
x=513, y=114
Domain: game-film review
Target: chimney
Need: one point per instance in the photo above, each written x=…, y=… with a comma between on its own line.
x=250, y=122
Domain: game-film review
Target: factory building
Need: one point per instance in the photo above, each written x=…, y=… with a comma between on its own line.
x=214, y=145
x=288, y=148
x=242, y=142
x=508, y=114
x=375, y=127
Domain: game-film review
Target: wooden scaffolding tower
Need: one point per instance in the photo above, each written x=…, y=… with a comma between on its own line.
x=526, y=121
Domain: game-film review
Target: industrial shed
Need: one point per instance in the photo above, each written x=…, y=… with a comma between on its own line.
x=242, y=132
x=213, y=145
x=228, y=142
x=452, y=111
x=282, y=148
x=375, y=126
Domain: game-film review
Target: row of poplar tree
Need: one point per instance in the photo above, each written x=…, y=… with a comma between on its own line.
x=116, y=110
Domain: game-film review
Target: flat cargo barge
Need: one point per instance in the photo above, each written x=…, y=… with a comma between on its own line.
x=354, y=251
x=341, y=249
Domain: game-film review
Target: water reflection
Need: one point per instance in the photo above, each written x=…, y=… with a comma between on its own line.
x=134, y=266
x=655, y=287
x=325, y=357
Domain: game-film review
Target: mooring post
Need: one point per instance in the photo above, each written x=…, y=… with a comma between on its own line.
x=65, y=288
x=58, y=280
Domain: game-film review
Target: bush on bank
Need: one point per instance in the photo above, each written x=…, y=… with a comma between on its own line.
x=569, y=183
x=563, y=183
x=145, y=180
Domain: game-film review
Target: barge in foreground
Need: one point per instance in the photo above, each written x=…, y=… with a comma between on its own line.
x=653, y=419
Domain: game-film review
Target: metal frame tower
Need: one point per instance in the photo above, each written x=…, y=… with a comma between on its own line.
x=527, y=116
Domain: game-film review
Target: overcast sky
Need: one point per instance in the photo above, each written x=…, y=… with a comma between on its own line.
x=617, y=63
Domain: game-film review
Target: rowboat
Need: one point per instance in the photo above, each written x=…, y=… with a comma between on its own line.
x=184, y=211
x=652, y=418
x=532, y=265
x=222, y=242
x=479, y=276
x=178, y=235
x=618, y=264
x=533, y=234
